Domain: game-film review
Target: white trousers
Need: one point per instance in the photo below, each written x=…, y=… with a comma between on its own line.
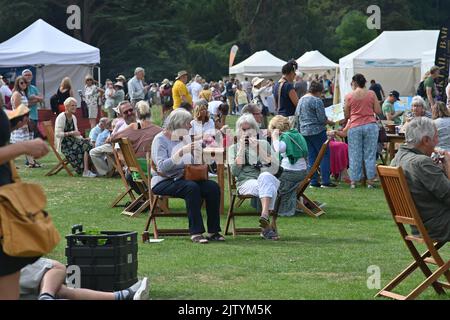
x=266, y=186
x=100, y=159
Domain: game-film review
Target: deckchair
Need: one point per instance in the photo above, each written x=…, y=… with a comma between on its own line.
x=62, y=161
x=128, y=190
x=404, y=212
x=303, y=201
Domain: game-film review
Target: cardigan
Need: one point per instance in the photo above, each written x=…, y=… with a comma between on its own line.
x=60, y=123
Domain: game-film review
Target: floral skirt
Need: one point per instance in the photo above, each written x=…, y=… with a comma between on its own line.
x=74, y=149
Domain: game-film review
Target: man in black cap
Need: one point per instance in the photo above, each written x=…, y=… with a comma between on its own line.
x=388, y=108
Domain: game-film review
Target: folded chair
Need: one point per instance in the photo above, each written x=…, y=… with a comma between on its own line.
x=236, y=200
x=128, y=190
x=303, y=202
x=404, y=213
x=62, y=162
x=141, y=203
x=160, y=209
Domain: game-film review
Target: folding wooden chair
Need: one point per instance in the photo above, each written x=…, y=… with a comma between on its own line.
x=232, y=214
x=160, y=209
x=62, y=163
x=303, y=202
x=141, y=203
x=128, y=190
x=404, y=213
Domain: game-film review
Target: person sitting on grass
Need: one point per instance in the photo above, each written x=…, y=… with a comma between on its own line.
x=45, y=278
x=293, y=150
x=254, y=164
x=428, y=180
x=169, y=156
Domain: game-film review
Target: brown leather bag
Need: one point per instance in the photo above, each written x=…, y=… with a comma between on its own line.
x=196, y=172
x=26, y=229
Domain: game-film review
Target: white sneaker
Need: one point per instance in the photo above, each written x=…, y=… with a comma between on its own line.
x=89, y=174
x=142, y=292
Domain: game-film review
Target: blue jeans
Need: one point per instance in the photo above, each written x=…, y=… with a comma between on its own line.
x=362, y=147
x=193, y=192
x=314, y=145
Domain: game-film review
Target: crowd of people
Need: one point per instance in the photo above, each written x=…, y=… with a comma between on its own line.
x=268, y=156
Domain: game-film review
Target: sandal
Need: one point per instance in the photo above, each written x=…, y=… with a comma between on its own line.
x=270, y=234
x=264, y=223
x=215, y=237
x=199, y=239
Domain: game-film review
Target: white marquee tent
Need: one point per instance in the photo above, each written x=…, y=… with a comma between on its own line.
x=260, y=64
x=54, y=54
x=396, y=59
x=314, y=61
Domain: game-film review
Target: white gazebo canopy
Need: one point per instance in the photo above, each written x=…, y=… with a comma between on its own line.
x=395, y=59
x=314, y=61
x=262, y=63
x=54, y=54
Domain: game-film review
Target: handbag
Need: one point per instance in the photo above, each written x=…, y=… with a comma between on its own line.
x=195, y=172
x=26, y=229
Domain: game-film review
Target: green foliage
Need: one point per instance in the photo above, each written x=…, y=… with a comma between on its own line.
x=353, y=32
x=166, y=36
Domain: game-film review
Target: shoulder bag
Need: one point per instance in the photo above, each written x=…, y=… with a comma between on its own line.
x=195, y=172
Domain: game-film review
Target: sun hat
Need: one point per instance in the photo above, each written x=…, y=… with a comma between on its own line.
x=17, y=112
x=165, y=81
x=257, y=81
x=180, y=74
x=118, y=84
x=122, y=78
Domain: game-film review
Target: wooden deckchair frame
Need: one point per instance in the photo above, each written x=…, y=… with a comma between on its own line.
x=232, y=214
x=303, y=201
x=404, y=212
x=130, y=159
x=128, y=190
x=62, y=162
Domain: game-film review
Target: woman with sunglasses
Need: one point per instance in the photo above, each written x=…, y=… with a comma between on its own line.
x=69, y=141
x=20, y=97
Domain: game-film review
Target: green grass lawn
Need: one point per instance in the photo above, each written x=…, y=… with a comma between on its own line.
x=324, y=258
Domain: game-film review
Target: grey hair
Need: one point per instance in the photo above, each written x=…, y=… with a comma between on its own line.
x=251, y=108
x=177, y=119
x=26, y=71
x=418, y=100
x=418, y=129
x=139, y=69
x=124, y=102
x=249, y=119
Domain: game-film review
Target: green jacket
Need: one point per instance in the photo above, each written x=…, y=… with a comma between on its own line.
x=296, y=147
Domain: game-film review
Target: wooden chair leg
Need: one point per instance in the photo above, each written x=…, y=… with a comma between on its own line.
x=65, y=164
x=230, y=215
x=431, y=280
x=55, y=170
x=153, y=208
x=121, y=196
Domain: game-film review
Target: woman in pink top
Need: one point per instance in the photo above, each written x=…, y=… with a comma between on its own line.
x=361, y=105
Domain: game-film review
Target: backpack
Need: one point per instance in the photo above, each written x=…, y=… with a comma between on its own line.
x=421, y=90
x=26, y=229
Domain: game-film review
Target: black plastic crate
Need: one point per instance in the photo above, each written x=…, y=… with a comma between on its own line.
x=108, y=261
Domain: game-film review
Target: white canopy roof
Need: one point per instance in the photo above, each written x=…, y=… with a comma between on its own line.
x=43, y=44
x=395, y=59
x=259, y=63
x=393, y=48
x=315, y=61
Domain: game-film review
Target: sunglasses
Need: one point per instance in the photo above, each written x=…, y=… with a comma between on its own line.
x=129, y=111
x=22, y=82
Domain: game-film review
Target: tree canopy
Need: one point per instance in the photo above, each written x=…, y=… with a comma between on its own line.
x=167, y=36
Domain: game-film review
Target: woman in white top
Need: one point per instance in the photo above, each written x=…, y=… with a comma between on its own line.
x=203, y=126
x=293, y=151
x=91, y=94
x=68, y=139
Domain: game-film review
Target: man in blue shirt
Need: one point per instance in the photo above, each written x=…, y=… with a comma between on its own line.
x=101, y=139
x=93, y=135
